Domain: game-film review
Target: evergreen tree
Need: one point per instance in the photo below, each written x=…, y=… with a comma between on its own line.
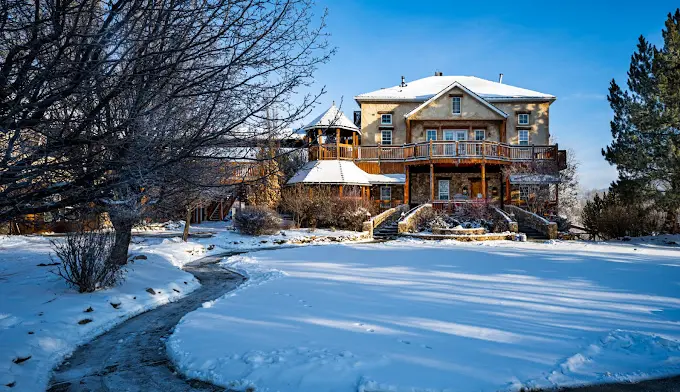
x=646, y=125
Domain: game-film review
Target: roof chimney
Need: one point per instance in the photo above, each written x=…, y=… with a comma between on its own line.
x=403, y=81
x=500, y=78
x=438, y=73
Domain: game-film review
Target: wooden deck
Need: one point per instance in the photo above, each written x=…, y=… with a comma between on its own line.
x=440, y=150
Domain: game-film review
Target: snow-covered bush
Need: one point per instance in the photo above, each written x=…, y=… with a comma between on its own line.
x=256, y=220
x=85, y=260
x=563, y=224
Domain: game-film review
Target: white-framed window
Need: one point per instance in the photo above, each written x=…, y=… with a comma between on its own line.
x=523, y=137
x=455, y=104
x=443, y=190
x=431, y=134
x=385, y=193
x=523, y=119
x=386, y=119
x=524, y=192
x=480, y=134
x=386, y=136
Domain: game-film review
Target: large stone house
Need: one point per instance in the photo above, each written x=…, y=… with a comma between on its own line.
x=448, y=136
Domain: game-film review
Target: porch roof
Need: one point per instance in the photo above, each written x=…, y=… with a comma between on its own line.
x=330, y=172
x=530, y=179
x=341, y=172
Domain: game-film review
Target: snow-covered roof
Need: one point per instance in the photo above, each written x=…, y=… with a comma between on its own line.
x=449, y=88
x=330, y=172
x=423, y=89
x=530, y=178
x=332, y=118
x=387, y=179
x=339, y=172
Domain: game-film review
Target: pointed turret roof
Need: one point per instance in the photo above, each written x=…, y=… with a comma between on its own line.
x=332, y=118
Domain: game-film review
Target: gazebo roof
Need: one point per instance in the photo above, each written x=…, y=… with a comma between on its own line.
x=332, y=118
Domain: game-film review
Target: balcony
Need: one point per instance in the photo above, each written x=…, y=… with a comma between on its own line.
x=439, y=150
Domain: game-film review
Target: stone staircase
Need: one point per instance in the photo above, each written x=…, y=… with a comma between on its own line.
x=387, y=230
x=532, y=233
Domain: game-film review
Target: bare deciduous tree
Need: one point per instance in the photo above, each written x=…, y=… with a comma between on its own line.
x=105, y=102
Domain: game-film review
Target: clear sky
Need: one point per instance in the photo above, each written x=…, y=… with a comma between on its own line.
x=568, y=49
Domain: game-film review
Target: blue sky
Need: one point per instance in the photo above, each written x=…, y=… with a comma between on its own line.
x=569, y=49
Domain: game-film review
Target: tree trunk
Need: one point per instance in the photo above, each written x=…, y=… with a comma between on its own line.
x=187, y=220
x=123, y=228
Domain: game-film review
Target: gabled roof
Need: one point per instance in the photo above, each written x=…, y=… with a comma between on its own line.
x=423, y=89
x=332, y=118
x=466, y=90
x=339, y=172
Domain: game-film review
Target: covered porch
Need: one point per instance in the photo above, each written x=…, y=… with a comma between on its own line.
x=444, y=185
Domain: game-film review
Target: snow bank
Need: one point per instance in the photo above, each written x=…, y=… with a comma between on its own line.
x=44, y=320
x=418, y=316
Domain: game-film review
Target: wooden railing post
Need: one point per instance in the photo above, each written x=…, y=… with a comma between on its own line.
x=532, y=152
x=431, y=146
x=337, y=143
x=379, y=152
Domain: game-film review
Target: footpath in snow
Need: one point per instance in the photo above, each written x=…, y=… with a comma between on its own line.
x=439, y=316
x=42, y=320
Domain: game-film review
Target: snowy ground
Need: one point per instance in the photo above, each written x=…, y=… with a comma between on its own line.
x=40, y=314
x=440, y=316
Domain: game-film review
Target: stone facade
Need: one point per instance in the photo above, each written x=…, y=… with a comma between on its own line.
x=459, y=184
x=370, y=121
x=539, y=121
x=397, y=192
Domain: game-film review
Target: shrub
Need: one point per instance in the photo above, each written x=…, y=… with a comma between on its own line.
x=85, y=263
x=257, y=220
x=609, y=217
x=321, y=207
x=350, y=214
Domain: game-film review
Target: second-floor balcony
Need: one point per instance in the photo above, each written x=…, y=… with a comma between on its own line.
x=440, y=150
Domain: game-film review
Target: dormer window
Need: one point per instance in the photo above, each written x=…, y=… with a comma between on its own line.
x=523, y=119
x=455, y=105
x=386, y=119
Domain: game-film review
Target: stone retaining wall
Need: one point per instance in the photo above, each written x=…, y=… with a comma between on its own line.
x=408, y=224
x=502, y=222
x=538, y=223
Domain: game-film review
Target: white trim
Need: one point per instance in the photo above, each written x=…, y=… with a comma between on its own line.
x=427, y=134
x=460, y=105
x=385, y=123
x=389, y=189
x=519, y=115
x=382, y=137
x=439, y=189
x=466, y=90
x=519, y=137
x=483, y=134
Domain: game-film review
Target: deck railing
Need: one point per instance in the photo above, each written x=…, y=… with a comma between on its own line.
x=439, y=149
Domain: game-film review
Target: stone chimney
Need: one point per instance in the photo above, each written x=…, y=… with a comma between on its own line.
x=500, y=78
x=438, y=73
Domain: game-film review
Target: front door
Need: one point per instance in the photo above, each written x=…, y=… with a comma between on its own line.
x=443, y=189
x=476, y=189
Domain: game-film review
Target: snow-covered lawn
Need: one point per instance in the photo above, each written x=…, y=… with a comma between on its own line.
x=439, y=316
x=40, y=314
